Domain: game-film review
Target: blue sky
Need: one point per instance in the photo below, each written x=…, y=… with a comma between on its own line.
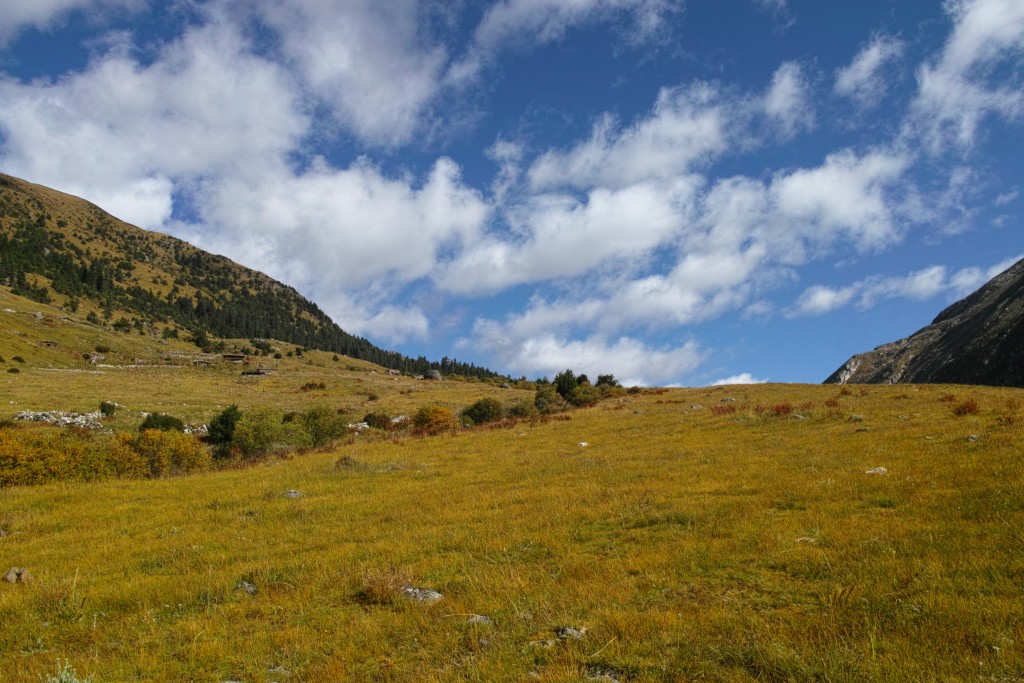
x=676, y=192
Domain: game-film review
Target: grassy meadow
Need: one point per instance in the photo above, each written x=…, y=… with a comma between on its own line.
x=738, y=533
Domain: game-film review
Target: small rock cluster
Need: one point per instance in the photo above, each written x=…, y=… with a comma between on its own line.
x=63, y=419
x=421, y=594
x=18, y=575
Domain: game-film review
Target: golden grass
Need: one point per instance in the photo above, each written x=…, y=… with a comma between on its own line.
x=740, y=547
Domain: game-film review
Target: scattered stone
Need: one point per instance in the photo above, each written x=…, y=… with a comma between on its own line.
x=973, y=437
x=422, y=594
x=359, y=426
x=433, y=375
x=877, y=470
x=479, y=619
x=856, y=418
x=799, y=417
x=506, y=385
x=728, y=399
x=806, y=539
x=247, y=587
x=583, y=444
x=4, y=533
x=545, y=643
x=571, y=632
x=63, y=419
x=292, y=493
x=696, y=406
x=18, y=575
x=399, y=419
x=601, y=673
x=902, y=417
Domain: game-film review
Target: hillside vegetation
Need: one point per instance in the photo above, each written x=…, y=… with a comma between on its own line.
x=772, y=532
x=59, y=249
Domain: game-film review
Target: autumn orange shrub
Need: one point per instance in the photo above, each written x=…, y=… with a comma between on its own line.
x=435, y=420
x=39, y=456
x=169, y=453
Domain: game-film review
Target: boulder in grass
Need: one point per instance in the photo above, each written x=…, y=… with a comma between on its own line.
x=18, y=575
x=421, y=594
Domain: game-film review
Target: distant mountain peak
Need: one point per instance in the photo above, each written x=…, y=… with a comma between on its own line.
x=977, y=340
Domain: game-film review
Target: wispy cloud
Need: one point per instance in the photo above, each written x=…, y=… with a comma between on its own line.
x=962, y=86
x=864, y=79
x=742, y=378
x=921, y=285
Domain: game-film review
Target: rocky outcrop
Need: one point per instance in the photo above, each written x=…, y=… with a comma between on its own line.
x=977, y=340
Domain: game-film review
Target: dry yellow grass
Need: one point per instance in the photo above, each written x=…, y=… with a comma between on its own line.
x=691, y=545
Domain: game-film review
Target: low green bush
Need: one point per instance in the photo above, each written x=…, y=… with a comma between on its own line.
x=485, y=410
x=163, y=422
x=378, y=420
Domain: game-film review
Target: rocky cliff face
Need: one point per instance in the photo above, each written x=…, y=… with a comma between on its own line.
x=977, y=340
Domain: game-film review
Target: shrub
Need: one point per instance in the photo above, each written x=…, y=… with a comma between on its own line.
x=13, y=371
x=522, y=408
x=313, y=386
x=107, y=409
x=485, y=410
x=548, y=400
x=610, y=390
x=968, y=407
x=584, y=395
x=435, y=420
x=17, y=359
x=565, y=382
x=222, y=426
x=102, y=349
x=782, y=408
x=162, y=422
x=170, y=452
x=260, y=431
x=723, y=409
x=846, y=391
x=378, y=420
x=30, y=457
x=322, y=424
x=832, y=402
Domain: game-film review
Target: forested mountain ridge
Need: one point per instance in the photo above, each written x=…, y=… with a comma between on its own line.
x=60, y=249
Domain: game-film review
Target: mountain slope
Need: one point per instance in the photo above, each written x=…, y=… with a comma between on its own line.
x=977, y=340
x=56, y=248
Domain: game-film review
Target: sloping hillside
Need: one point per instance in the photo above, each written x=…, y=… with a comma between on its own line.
x=56, y=248
x=977, y=340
